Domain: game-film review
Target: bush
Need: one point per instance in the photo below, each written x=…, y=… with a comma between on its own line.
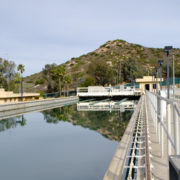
x=39, y=81
x=90, y=81
x=30, y=81
x=41, y=93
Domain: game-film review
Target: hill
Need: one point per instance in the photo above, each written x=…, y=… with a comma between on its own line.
x=112, y=62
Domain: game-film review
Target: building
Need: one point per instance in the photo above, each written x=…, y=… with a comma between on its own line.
x=148, y=83
x=10, y=97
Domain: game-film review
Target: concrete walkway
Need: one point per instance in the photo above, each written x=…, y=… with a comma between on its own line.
x=116, y=166
x=159, y=165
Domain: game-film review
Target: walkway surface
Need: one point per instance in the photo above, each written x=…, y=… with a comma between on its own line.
x=159, y=165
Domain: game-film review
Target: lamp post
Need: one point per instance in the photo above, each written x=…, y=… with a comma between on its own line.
x=132, y=82
x=22, y=90
x=167, y=50
x=120, y=73
x=173, y=78
x=156, y=76
x=160, y=62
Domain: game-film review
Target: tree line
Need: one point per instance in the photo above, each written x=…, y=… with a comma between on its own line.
x=102, y=73
x=57, y=78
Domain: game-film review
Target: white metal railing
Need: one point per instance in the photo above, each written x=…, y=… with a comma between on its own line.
x=107, y=91
x=104, y=89
x=175, y=95
x=166, y=118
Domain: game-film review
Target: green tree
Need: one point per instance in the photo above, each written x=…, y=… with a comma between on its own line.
x=67, y=82
x=59, y=72
x=90, y=81
x=129, y=69
x=21, y=69
x=7, y=71
x=102, y=72
x=48, y=76
x=17, y=79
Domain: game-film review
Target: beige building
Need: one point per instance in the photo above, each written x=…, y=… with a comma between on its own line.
x=148, y=83
x=10, y=97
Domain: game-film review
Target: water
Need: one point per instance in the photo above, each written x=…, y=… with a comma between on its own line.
x=61, y=143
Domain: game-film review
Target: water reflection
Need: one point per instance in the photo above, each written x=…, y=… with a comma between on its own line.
x=43, y=150
x=108, y=118
x=13, y=122
x=106, y=106
x=105, y=117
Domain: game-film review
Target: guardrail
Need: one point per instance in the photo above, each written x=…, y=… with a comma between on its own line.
x=166, y=117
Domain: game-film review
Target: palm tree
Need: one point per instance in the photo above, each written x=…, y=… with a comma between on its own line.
x=59, y=72
x=67, y=81
x=17, y=79
x=21, y=69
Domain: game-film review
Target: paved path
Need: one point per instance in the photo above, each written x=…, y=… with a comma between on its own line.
x=159, y=165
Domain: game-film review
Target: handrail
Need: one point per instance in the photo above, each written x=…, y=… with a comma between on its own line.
x=155, y=103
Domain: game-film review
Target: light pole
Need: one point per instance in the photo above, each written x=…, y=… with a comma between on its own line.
x=120, y=74
x=156, y=76
x=167, y=50
x=22, y=90
x=173, y=78
x=160, y=62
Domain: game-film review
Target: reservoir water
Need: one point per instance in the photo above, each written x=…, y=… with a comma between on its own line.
x=60, y=143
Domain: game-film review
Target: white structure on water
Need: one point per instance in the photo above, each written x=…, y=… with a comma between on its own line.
x=97, y=91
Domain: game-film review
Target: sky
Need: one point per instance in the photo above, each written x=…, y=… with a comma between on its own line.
x=39, y=32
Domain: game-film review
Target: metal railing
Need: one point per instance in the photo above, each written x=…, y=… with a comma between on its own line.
x=107, y=91
x=166, y=118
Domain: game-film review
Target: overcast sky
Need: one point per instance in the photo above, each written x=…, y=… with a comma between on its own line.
x=39, y=32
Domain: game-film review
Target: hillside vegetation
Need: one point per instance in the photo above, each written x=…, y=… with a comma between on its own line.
x=115, y=61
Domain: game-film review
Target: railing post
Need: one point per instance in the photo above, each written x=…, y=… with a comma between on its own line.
x=158, y=116
x=162, y=130
x=155, y=112
x=168, y=121
x=176, y=131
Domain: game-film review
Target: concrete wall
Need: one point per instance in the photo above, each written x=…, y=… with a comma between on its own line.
x=19, y=105
x=9, y=112
x=10, y=97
